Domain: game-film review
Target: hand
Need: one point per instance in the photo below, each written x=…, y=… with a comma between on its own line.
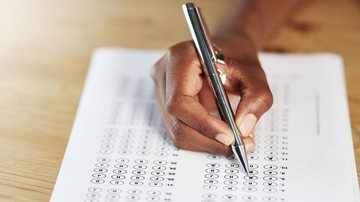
x=186, y=101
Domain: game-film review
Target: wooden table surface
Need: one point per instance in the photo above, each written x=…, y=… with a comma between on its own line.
x=45, y=48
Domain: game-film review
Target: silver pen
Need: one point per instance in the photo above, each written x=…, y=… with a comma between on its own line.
x=209, y=57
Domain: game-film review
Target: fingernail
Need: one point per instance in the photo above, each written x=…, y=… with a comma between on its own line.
x=249, y=148
x=225, y=139
x=247, y=124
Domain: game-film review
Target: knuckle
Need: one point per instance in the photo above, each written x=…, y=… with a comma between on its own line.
x=204, y=126
x=158, y=68
x=179, y=47
x=171, y=106
x=215, y=149
x=181, y=52
x=174, y=53
x=177, y=130
x=174, y=105
x=177, y=143
x=266, y=98
x=218, y=149
x=173, y=50
x=154, y=71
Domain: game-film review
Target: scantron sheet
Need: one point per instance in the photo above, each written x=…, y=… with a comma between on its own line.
x=119, y=150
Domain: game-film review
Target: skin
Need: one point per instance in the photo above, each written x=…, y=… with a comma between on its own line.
x=187, y=103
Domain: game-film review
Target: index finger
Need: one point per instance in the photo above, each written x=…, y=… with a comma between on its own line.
x=250, y=83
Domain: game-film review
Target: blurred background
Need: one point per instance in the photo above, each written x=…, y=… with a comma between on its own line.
x=45, y=50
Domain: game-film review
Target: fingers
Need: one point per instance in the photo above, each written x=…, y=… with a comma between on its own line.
x=173, y=126
x=245, y=78
x=249, y=81
x=183, y=83
x=192, y=113
x=250, y=109
x=179, y=81
x=185, y=137
x=183, y=134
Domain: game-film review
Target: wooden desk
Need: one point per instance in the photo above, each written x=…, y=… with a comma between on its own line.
x=45, y=48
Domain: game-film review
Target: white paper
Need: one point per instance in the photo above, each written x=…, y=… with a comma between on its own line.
x=119, y=151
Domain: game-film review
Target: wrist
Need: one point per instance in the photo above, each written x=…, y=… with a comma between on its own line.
x=245, y=19
x=237, y=46
x=241, y=34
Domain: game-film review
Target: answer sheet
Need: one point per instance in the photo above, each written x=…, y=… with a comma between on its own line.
x=119, y=150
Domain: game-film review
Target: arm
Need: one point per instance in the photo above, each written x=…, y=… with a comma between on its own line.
x=257, y=19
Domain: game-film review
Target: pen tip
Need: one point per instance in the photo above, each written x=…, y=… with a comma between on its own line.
x=239, y=152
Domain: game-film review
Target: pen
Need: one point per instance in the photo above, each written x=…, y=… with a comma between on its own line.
x=209, y=57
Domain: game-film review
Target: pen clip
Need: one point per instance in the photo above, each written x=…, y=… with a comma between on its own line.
x=217, y=55
x=214, y=51
x=220, y=58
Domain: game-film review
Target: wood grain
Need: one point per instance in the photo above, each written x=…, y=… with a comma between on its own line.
x=46, y=46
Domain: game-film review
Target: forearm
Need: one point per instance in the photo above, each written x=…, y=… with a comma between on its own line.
x=256, y=19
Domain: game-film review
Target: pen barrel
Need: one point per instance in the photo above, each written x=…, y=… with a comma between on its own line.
x=207, y=57
x=223, y=103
